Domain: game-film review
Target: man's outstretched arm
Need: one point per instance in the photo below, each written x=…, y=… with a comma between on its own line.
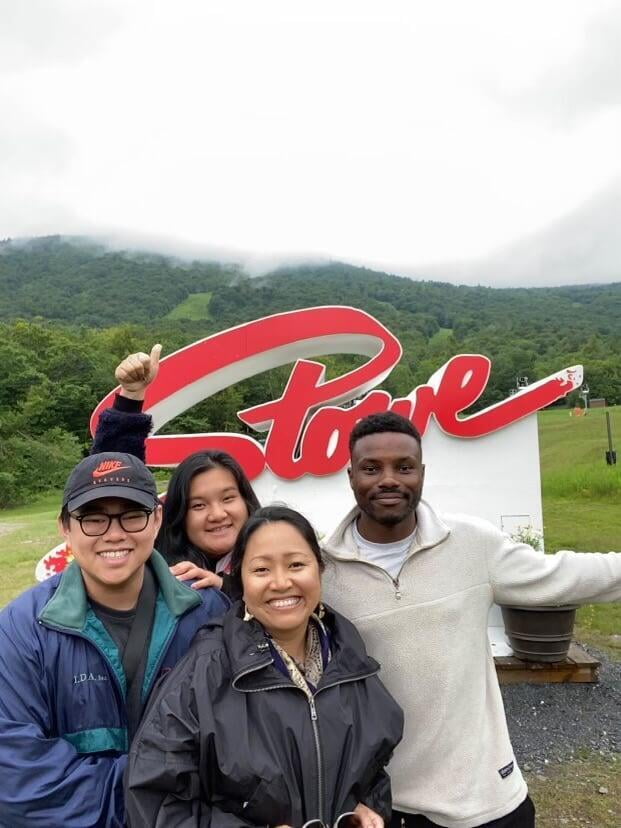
x=524, y=576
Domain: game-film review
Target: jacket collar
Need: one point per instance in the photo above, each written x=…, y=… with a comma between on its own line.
x=69, y=604
x=252, y=664
x=430, y=531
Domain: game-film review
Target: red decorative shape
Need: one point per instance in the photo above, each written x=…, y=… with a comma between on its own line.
x=307, y=429
x=55, y=563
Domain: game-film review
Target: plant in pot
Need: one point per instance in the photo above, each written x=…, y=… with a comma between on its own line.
x=538, y=633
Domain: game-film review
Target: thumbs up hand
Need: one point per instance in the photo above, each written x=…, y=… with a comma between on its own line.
x=137, y=371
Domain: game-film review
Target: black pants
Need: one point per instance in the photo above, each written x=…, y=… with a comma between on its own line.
x=522, y=817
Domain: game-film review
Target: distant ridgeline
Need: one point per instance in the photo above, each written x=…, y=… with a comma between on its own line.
x=70, y=309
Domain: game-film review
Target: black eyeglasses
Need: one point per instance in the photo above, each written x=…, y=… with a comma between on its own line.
x=94, y=524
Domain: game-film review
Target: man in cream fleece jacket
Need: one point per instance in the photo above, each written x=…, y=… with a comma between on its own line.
x=419, y=587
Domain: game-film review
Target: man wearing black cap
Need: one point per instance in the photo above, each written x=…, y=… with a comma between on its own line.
x=81, y=652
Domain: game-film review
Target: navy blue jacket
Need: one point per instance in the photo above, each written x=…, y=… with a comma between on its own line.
x=122, y=430
x=63, y=726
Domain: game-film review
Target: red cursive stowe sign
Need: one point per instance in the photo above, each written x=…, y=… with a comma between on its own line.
x=307, y=427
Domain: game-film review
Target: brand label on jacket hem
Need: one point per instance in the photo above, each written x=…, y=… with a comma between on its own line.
x=507, y=770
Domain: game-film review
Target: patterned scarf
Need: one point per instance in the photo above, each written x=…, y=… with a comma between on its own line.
x=307, y=676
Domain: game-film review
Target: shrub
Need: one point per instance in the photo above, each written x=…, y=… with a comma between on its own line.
x=35, y=464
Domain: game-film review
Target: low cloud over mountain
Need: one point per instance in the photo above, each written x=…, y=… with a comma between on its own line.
x=582, y=247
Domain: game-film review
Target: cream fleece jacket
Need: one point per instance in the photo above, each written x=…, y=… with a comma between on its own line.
x=428, y=629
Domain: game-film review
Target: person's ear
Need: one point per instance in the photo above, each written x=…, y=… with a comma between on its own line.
x=157, y=518
x=62, y=529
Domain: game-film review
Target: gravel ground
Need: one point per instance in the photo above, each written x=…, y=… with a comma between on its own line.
x=550, y=723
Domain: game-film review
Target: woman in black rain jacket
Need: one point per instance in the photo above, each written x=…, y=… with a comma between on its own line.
x=248, y=730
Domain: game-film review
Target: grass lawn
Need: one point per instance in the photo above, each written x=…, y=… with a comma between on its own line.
x=438, y=336
x=195, y=307
x=585, y=791
x=567, y=442
x=26, y=534
x=582, y=503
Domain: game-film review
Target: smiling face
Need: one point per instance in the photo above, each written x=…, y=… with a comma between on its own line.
x=216, y=512
x=112, y=564
x=281, y=580
x=387, y=476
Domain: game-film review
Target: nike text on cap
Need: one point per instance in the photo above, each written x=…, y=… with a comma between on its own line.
x=110, y=474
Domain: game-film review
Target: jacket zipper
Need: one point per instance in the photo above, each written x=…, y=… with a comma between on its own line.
x=320, y=795
x=157, y=665
x=394, y=581
x=314, y=722
x=313, y=715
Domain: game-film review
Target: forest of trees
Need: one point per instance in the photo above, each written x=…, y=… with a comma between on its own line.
x=70, y=309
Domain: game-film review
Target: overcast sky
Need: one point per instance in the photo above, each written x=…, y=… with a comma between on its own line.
x=401, y=135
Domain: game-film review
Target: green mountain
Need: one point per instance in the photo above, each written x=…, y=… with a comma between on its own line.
x=82, y=282
x=85, y=283
x=70, y=309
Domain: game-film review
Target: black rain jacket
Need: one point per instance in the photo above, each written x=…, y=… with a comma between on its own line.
x=230, y=741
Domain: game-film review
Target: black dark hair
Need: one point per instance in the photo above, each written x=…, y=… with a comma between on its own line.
x=263, y=516
x=172, y=541
x=379, y=423
x=64, y=517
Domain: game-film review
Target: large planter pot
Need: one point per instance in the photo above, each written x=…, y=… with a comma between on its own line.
x=540, y=633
